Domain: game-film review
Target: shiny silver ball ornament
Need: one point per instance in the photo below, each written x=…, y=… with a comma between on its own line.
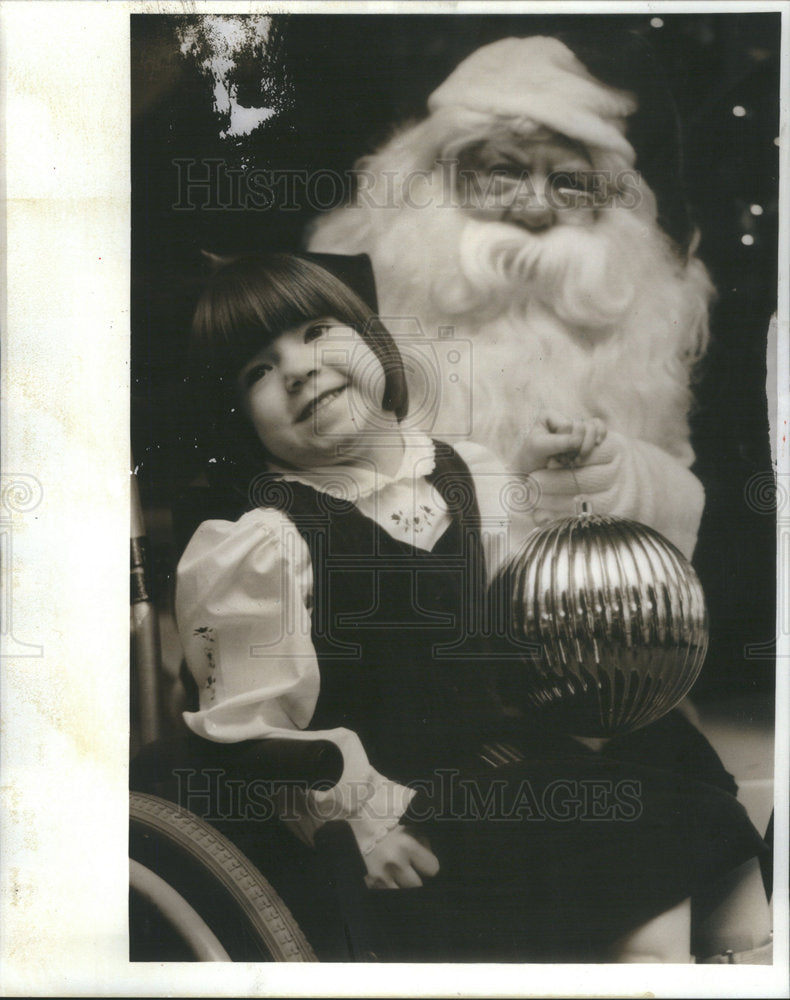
x=609, y=620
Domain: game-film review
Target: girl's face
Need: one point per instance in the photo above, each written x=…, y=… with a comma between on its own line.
x=314, y=394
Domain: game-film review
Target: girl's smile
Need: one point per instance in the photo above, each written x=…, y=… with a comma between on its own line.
x=314, y=394
x=320, y=402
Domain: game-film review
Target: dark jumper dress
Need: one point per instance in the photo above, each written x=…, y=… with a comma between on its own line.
x=548, y=851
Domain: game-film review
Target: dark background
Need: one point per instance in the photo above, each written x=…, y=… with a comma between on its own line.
x=340, y=83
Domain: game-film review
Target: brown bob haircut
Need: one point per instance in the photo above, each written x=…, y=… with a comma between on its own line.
x=246, y=304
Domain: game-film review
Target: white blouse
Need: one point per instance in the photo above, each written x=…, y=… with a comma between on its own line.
x=243, y=599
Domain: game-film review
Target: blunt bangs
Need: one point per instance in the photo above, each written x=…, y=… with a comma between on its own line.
x=248, y=303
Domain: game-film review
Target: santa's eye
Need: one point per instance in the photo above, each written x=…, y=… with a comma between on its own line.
x=572, y=180
x=581, y=181
x=510, y=171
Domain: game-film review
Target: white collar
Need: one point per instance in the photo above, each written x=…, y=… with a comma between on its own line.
x=351, y=482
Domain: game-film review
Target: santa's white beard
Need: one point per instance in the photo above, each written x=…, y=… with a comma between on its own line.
x=588, y=277
x=591, y=321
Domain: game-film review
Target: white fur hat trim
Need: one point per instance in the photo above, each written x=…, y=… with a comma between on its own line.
x=540, y=79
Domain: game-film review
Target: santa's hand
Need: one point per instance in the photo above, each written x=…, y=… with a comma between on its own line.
x=628, y=478
x=607, y=476
x=400, y=861
x=558, y=439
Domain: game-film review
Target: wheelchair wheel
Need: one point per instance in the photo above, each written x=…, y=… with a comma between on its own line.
x=194, y=895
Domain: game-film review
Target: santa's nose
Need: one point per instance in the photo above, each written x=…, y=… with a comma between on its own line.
x=531, y=207
x=535, y=219
x=533, y=212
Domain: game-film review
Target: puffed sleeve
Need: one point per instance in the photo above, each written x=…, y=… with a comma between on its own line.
x=243, y=598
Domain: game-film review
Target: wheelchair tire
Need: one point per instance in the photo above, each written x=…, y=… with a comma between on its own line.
x=228, y=892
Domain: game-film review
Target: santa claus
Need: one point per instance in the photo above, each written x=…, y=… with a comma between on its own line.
x=514, y=215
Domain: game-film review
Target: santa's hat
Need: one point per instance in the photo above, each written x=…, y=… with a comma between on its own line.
x=541, y=80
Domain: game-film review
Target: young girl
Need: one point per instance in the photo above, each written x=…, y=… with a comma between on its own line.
x=347, y=603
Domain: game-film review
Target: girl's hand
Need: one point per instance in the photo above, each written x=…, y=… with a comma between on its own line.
x=556, y=441
x=399, y=860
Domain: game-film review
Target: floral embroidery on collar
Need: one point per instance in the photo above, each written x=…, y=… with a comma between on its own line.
x=417, y=522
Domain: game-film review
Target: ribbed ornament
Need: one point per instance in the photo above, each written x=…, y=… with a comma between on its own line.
x=611, y=621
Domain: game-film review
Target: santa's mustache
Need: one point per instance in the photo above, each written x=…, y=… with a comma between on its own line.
x=587, y=275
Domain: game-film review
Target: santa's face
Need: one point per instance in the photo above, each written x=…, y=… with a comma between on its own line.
x=535, y=182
